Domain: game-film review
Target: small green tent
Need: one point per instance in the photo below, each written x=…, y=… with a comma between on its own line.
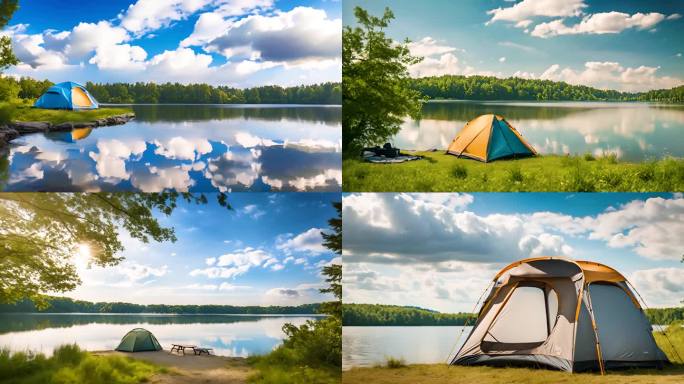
x=138, y=340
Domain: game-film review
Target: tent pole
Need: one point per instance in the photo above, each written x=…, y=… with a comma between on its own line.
x=662, y=331
x=503, y=304
x=466, y=323
x=598, y=343
x=577, y=312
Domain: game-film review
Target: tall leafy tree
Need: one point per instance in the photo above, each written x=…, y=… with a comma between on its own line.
x=319, y=343
x=333, y=272
x=41, y=233
x=375, y=92
x=7, y=58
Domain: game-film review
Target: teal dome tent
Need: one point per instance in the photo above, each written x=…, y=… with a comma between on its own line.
x=67, y=95
x=139, y=340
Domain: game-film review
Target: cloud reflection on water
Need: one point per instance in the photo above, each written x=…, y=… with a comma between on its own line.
x=234, y=153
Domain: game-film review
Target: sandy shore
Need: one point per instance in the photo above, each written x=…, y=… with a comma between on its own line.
x=192, y=369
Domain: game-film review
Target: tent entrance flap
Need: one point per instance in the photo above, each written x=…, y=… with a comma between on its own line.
x=525, y=321
x=79, y=98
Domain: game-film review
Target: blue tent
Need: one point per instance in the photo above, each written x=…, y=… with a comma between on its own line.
x=67, y=95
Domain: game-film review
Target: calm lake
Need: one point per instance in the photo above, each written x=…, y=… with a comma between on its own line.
x=229, y=335
x=369, y=346
x=197, y=148
x=633, y=131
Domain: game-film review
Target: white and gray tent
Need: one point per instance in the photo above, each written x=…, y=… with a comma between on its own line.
x=561, y=314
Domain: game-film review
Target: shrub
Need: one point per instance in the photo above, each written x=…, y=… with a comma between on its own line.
x=515, y=175
x=589, y=157
x=395, y=363
x=9, y=89
x=646, y=172
x=7, y=112
x=69, y=364
x=460, y=172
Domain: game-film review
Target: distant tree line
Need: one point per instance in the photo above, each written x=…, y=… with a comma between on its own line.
x=167, y=93
x=67, y=305
x=515, y=88
x=378, y=315
x=665, y=316
x=325, y=93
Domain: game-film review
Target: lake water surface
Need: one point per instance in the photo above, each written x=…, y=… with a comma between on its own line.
x=197, y=148
x=229, y=335
x=633, y=131
x=369, y=346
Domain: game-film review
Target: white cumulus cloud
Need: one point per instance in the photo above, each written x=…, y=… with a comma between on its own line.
x=309, y=241
x=236, y=263
x=612, y=75
x=527, y=9
x=599, y=23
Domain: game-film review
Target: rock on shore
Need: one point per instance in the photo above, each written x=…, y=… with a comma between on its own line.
x=15, y=129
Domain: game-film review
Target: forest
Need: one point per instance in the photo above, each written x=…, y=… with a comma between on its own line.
x=514, y=88
x=433, y=88
x=378, y=315
x=67, y=305
x=169, y=93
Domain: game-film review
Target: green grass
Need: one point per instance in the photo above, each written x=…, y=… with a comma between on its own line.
x=672, y=343
x=439, y=172
x=70, y=365
x=283, y=366
x=24, y=112
x=444, y=374
x=393, y=373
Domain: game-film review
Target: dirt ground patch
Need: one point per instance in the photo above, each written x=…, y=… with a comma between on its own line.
x=193, y=369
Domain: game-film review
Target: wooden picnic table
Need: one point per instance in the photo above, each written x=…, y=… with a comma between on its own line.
x=182, y=347
x=195, y=349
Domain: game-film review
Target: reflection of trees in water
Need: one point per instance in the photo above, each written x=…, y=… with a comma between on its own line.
x=177, y=113
x=466, y=111
x=4, y=166
x=23, y=322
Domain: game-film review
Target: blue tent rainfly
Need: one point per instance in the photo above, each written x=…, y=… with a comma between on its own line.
x=67, y=95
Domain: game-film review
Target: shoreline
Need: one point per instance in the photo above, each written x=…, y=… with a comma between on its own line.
x=15, y=129
x=191, y=368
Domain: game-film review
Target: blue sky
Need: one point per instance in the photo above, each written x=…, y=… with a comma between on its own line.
x=267, y=251
x=441, y=250
x=223, y=42
x=630, y=46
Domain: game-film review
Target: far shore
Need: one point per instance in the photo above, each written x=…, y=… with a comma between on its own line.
x=190, y=368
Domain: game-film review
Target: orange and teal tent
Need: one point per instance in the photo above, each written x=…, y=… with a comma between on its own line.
x=67, y=95
x=490, y=137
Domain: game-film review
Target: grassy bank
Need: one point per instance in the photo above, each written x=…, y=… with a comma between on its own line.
x=439, y=172
x=71, y=365
x=395, y=372
x=283, y=366
x=310, y=355
x=442, y=373
x=24, y=112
